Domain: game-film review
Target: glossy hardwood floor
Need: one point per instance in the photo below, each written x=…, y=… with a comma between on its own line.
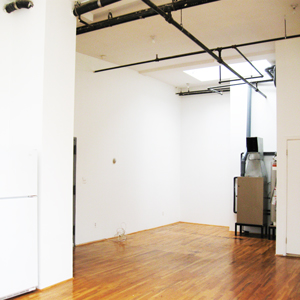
x=180, y=261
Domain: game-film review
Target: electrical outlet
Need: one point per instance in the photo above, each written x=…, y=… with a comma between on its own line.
x=163, y=213
x=95, y=225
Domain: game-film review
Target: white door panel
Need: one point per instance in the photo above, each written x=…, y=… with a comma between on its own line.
x=293, y=197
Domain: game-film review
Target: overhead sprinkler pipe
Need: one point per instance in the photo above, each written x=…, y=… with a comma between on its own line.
x=168, y=17
x=17, y=5
x=91, y=5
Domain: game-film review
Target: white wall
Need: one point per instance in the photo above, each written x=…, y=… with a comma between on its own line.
x=264, y=116
x=21, y=75
x=56, y=156
x=205, y=163
x=288, y=122
x=36, y=111
x=136, y=120
x=213, y=137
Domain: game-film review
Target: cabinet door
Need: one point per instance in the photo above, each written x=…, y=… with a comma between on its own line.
x=293, y=197
x=250, y=200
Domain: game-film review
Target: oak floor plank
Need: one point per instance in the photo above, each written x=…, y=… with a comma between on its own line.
x=181, y=261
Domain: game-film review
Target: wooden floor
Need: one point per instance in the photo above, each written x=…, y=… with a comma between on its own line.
x=179, y=261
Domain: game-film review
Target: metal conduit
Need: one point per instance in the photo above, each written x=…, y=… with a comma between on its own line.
x=169, y=19
x=142, y=14
x=241, y=83
x=219, y=89
x=248, y=61
x=157, y=59
x=201, y=92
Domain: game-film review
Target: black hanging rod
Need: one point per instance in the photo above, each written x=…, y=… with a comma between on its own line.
x=218, y=89
x=157, y=59
x=248, y=61
x=201, y=92
x=239, y=83
x=168, y=17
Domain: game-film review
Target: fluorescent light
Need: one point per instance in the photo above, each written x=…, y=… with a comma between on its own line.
x=244, y=69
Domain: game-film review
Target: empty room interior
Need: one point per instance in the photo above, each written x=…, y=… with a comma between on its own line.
x=166, y=138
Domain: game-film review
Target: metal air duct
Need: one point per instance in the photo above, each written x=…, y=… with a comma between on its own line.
x=91, y=5
x=17, y=5
x=141, y=14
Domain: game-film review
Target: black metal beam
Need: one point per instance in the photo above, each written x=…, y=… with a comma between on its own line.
x=169, y=19
x=142, y=14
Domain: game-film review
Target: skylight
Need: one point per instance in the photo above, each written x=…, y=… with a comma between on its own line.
x=244, y=69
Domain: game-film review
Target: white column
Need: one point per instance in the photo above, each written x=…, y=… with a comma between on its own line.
x=238, y=125
x=37, y=70
x=288, y=125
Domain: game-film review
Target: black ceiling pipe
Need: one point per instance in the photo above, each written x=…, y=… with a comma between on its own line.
x=219, y=89
x=168, y=17
x=157, y=59
x=142, y=14
x=272, y=72
x=249, y=62
x=201, y=92
x=241, y=83
x=91, y=5
x=17, y=5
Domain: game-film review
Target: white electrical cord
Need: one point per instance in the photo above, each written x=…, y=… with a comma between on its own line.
x=121, y=234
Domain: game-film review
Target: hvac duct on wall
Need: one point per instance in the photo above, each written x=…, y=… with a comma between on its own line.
x=17, y=5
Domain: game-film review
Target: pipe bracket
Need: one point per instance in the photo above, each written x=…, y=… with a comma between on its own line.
x=169, y=17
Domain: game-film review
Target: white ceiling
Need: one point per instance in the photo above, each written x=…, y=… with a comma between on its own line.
x=217, y=24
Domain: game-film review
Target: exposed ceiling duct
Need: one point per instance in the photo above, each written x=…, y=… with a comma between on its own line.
x=142, y=14
x=17, y=5
x=91, y=5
